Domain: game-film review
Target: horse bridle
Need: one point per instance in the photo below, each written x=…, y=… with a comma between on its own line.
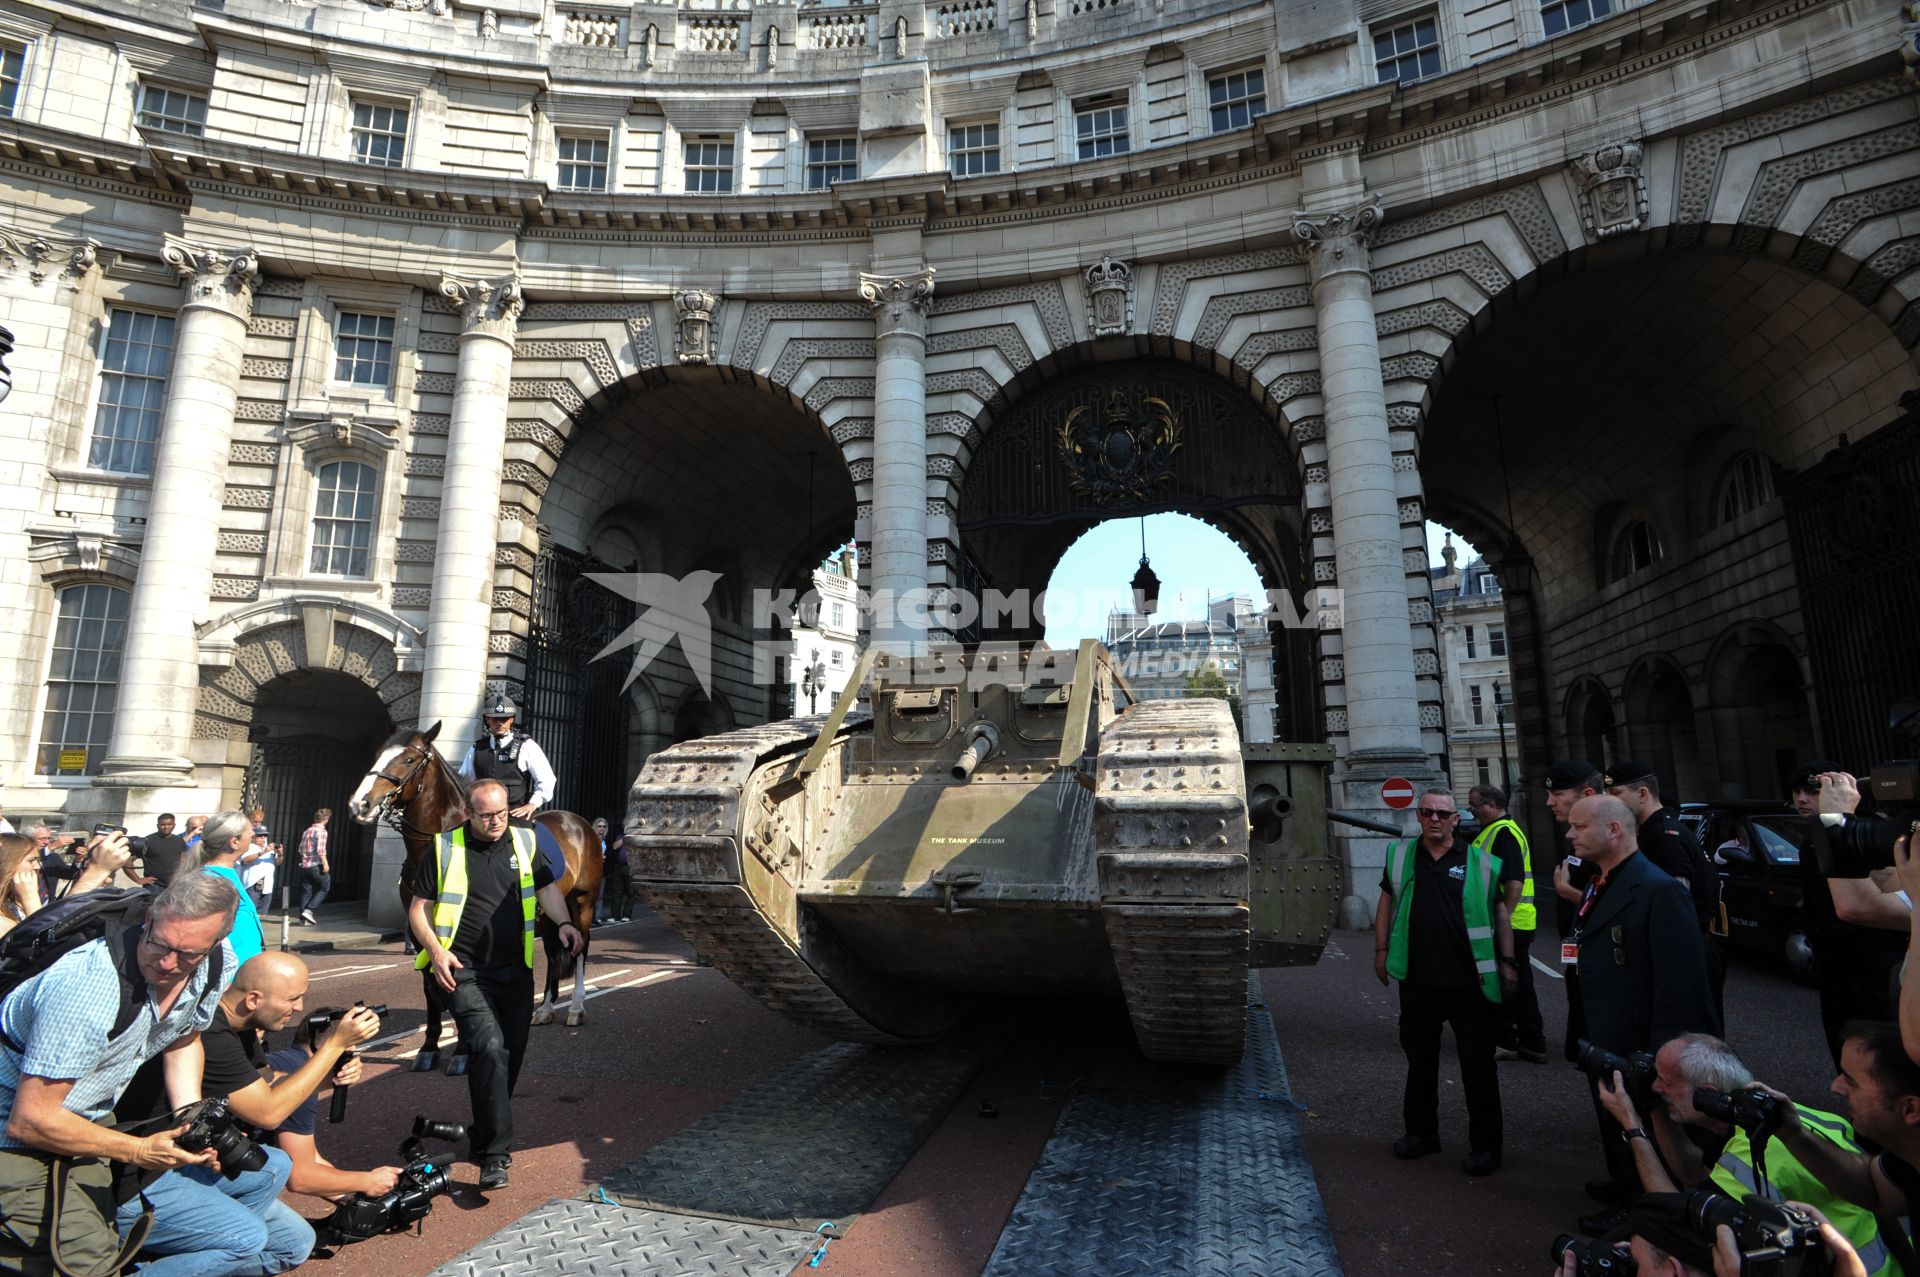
x=396, y=818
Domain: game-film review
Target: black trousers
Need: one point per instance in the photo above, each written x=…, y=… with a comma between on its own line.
x=1423, y=1009
x=1620, y=1167
x=1520, y=1026
x=493, y=1011
x=1855, y=984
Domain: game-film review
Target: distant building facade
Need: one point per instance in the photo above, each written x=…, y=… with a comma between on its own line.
x=1478, y=686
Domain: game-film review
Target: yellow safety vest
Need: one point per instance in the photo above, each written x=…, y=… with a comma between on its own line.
x=1524, y=915
x=1788, y=1180
x=1476, y=895
x=450, y=852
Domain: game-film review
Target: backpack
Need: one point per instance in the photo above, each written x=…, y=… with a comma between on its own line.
x=71, y=921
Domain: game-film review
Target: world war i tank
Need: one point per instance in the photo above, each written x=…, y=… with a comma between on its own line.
x=1003, y=821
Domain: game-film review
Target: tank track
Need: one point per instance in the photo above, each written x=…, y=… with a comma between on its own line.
x=1170, y=835
x=689, y=829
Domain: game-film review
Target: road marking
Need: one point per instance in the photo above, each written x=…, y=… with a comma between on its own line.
x=359, y=970
x=392, y=1038
x=1544, y=969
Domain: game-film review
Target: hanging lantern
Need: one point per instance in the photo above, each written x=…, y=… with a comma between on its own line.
x=1146, y=590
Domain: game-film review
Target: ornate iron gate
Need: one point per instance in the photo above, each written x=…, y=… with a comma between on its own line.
x=295, y=776
x=574, y=705
x=1854, y=519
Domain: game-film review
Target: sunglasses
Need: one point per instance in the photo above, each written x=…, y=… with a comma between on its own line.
x=1428, y=813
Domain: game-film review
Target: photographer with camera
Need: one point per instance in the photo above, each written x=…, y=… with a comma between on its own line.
x=71, y=1038
x=1705, y=1232
x=472, y=913
x=1716, y=1128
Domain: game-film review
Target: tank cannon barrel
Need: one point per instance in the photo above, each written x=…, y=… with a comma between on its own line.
x=1364, y=822
x=983, y=740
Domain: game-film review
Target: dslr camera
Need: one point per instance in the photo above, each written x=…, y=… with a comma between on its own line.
x=136, y=845
x=1771, y=1235
x=1593, y=1259
x=1857, y=845
x=210, y=1125
x=356, y=1217
x=315, y=1026
x=1635, y=1068
x=1755, y=1112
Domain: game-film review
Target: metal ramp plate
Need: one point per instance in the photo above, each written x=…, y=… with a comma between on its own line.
x=597, y=1240
x=816, y=1141
x=1156, y=1169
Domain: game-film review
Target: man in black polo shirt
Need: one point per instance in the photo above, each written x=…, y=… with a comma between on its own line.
x=474, y=900
x=1442, y=930
x=164, y=850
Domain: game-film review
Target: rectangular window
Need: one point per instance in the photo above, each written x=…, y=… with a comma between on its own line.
x=363, y=350
x=1484, y=772
x=83, y=680
x=583, y=162
x=1557, y=18
x=13, y=64
x=709, y=165
x=173, y=110
x=839, y=615
x=343, y=519
x=830, y=160
x=837, y=657
x=380, y=134
x=973, y=149
x=1496, y=640
x=1479, y=714
x=1468, y=629
x=134, y=362
x=1408, y=52
x=1101, y=130
x=1236, y=98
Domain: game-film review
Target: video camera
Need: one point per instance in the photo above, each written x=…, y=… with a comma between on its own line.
x=1769, y=1233
x=1857, y=845
x=1635, y=1069
x=356, y=1217
x=1755, y=1112
x=210, y=1125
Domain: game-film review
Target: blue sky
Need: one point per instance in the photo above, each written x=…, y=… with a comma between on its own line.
x=1191, y=559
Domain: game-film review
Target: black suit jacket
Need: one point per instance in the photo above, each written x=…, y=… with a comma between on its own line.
x=1643, y=971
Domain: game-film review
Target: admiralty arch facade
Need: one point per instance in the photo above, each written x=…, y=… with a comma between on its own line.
x=353, y=337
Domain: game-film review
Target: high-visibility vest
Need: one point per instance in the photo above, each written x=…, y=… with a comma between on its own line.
x=1476, y=896
x=450, y=853
x=1788, y=1180
x=1524, y=916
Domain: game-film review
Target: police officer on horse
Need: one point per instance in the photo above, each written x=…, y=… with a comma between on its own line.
x=511, y=757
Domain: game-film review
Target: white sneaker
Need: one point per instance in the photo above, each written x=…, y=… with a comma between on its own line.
x=307, y=916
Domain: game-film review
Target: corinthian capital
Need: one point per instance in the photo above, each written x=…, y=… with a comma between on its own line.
x=37, y=257
x=899, y=301
x=1338, y=241
x=488, y=307
x=220, y=277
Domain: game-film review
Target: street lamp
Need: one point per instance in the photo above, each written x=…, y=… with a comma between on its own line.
x=814, y=681
x=1146, y=586
x=1506, y=768
x=6, y=373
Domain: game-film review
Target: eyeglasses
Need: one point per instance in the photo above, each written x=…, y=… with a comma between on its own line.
x=188, y=957
x=502, y=814
x=1428, y=813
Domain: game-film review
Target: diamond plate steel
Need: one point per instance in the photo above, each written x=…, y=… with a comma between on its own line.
x=598, y=1240
x=1155, y=1168
x=816, y=1141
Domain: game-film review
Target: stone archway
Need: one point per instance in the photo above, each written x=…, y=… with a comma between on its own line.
x=1660, y=728
x=698, y=716
x=1757, y=703
x=1591, y=728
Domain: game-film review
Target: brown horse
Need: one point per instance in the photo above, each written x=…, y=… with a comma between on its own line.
x=411, y=787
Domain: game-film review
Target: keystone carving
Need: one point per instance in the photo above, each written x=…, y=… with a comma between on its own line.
x=1613, y=190
x=1338, y=241
x=488, y=307
x=221, y=277
x=1109, y=298
x=693, y=334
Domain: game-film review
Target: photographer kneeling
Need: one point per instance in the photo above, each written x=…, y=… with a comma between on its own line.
x=1705, y=1232
x=1718, y=1129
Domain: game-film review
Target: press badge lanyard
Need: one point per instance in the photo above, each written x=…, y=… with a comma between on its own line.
x=1570, y=947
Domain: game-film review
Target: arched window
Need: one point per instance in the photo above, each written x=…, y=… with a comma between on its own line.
x=1746, y=484
x=1638, y=547
x=83, y=680
x=343, y=519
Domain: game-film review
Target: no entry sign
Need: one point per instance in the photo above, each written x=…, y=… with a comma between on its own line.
x=1397, y=793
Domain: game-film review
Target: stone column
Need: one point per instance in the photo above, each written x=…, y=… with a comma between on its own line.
x=460, y=615
x=159, y=686
x=1376, y=637
x=1376, y=641
x=899, y=572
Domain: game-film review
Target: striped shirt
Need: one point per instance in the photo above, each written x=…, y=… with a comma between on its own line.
x=64, y=1016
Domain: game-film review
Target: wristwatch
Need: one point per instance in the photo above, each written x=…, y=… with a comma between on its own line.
x=1508, y=960
x=1631, y=1134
